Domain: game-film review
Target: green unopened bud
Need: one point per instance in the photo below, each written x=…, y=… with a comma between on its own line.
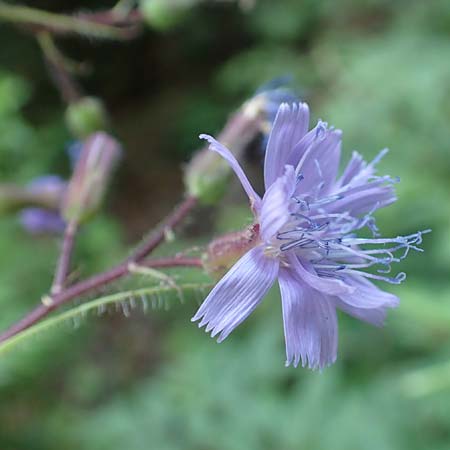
x=206, y=175
x=91, y=177
x=86, y=116
x=164, y=14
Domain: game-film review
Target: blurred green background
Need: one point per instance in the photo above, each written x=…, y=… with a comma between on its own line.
x=380, y=70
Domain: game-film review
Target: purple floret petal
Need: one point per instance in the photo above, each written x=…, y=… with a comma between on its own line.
x=319, y=164
x=217, y=147
x=367, y=295
x=364, y=198
x=276, y=204
x=353, y=168
x=373, y=316
x=291, y=124
x=368, y=170
x=238, y=293
x=330, y=286
x=303, y=146
x=310, y=324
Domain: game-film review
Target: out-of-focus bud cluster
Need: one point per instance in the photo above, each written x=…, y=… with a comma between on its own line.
x=165, y=14
x=44, y=192
x=224, y=251
x=99, y=155
x=37, y=204
x=86, y=116
x=48, y=192
x=47, y=203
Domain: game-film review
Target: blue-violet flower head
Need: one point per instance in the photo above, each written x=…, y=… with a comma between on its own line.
x=308, y=220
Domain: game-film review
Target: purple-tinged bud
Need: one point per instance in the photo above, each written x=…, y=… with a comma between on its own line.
x=38, y=221
x=164, y=14
x=48, y=187
x=45, y=192
x=86, y=116
x=73, y=151
x=224, y=251
x=206, y=175
x=91, y=177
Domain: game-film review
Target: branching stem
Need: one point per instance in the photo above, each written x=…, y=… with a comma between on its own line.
x=60, y=23
x=51, y=302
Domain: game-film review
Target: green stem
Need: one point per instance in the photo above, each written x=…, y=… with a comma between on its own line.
x=58, y=23
x=59, y=67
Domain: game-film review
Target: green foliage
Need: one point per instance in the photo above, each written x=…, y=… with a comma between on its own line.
x=25, y=151
x=247, y=71
x=238, y=395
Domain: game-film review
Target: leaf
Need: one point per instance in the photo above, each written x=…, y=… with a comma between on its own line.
x=100, y=304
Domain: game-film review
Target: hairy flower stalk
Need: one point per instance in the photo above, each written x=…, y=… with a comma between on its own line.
x=308, y=222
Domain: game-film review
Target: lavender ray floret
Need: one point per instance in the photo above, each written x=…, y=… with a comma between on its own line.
x=310, y=223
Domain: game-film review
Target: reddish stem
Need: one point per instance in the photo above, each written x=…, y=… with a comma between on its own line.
x=63, y=267
x=51, y=303
x=176, y=261
x=156, y=237
x=108, y=17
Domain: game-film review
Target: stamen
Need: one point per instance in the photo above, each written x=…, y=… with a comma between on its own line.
x=337, y=249
x=304, y=205
x=379, y=157
x=321, y=129
x=332, y=235
x=319, y=170
x=326, y=200
x=398, y=279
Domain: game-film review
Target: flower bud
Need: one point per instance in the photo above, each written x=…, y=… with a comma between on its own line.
x=206, y=175
x=164, y=14
x=224, y=251
x=47, y=190
x=98, y=158
x=86, y=116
